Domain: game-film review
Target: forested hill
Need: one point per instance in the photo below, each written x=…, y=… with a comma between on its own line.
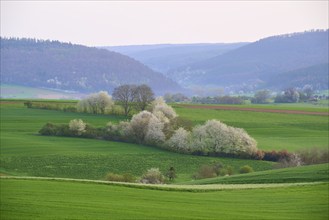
x=255, y=64
x=66, y=66
x=165, y=57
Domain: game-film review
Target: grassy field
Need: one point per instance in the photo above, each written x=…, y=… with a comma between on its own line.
x=24, y=152
x=312, y=173
x=37, y=199
x=271, y=130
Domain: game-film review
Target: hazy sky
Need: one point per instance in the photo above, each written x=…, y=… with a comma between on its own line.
x=97, y=23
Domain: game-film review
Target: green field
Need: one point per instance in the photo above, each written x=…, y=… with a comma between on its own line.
x=35, y=199
x=24, y=152
x=311, y=173
x=272, y=131
x=296, y=193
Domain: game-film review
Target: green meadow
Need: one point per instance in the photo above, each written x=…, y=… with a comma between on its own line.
x=24, y=152
x=272, y=131
x=39, y=199
x=311, y=173
x=258, y=195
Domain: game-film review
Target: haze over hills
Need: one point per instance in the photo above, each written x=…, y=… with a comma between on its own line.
x=165, y=57
x=258, y=64
x=278, y=62
x=66, y=66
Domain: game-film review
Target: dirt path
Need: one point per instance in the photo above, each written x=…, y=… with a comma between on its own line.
x=232, y=108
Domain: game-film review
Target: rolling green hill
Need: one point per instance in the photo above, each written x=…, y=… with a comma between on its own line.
x=271, y=130
x=310, y=173
x=24, y=152
x=39, y=199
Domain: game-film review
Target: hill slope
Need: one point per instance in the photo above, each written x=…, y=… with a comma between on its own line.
x=165, y=57
x=66, y=66
x=255, y=63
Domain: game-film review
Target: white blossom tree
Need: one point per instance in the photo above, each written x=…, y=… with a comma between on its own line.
x=180, y=141
x=96, y=103
x=77, y=126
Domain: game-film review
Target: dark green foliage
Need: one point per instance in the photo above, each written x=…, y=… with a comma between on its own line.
x=48, y=129
x=219, y=100
x=66, y=107
x=171, y=174
x=218, y=169
x=28, y=104
x=261, y=97
x=290, y=95
x=246, y=169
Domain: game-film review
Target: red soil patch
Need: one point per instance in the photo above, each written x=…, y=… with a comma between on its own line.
x=231, y=108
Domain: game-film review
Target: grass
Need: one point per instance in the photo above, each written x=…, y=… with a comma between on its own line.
x=273, y=131
x=23, y=152
x=310, y=173
x=39, y=199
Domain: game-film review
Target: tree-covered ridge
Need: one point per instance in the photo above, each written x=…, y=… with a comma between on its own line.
x=53, y=64
x=255, y=64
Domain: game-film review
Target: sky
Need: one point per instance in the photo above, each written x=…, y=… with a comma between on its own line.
x=113, y=23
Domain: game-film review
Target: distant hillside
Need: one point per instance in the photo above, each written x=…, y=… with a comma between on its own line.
x=24, y=92
x=256, y=63
x=165, y=57
x=316, y=75
x=65, y=66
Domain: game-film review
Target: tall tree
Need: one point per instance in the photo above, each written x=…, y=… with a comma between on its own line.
x=125, y=95
x=144, y=96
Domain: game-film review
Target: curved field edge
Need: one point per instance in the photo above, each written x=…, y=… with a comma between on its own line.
x=310, y=173
x=171, y=187
x=39, y=199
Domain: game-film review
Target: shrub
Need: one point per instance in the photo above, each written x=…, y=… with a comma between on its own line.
x=91, y=132
x=77, y=126
x=64, y=130
x=218, y=138
x=171, y=174
x=96, y=103
x=180, y=141
x=48, y=129
x=314, y=155
x=153, y=176
x=120, y=178
x=246, y=169
x=205, y=171
x=276, y=156
x=293, y=160
x=28, y=104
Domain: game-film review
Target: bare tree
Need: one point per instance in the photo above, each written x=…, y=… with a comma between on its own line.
x=144, y=96
x=125, y=95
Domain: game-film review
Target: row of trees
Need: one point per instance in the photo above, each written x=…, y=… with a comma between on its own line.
x=127, y=96
x=288, y=95
x=160, y=126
